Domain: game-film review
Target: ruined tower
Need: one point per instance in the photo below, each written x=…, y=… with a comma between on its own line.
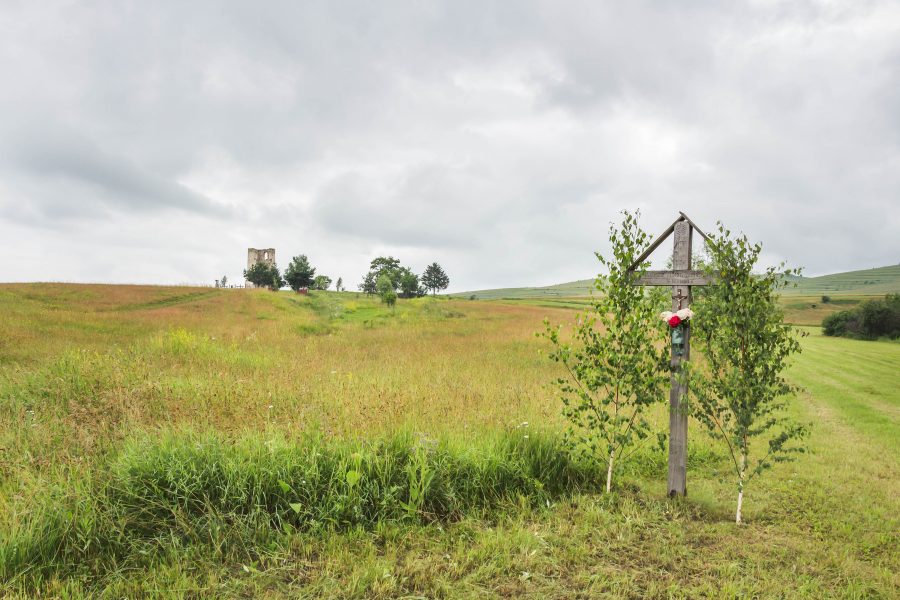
x=259, y=255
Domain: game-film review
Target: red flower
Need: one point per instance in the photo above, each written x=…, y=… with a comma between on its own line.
x=674, y=321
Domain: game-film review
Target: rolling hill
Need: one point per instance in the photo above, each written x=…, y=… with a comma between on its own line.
x=867, y=282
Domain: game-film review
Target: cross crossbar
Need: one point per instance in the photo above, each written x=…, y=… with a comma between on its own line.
x=671, y=278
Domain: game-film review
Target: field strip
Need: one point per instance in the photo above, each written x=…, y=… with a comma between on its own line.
x=859, y=379
x=164, y=302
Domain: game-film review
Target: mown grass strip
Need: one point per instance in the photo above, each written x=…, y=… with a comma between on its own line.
x=165, y=302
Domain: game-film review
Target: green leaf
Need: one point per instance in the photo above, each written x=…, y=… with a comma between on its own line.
x=353, y=477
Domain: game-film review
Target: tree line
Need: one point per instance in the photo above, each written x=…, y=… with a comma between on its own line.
x=874, y=318
x=386, y=277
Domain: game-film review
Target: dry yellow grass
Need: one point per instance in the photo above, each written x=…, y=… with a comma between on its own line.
x=137, y=357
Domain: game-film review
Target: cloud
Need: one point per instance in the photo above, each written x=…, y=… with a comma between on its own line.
x=66, y=177
x=499, y=140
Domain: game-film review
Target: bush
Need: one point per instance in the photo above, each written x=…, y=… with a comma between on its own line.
x=826, y=299
x=870, y=320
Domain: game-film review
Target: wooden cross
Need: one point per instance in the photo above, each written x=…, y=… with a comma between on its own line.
x=681, y=278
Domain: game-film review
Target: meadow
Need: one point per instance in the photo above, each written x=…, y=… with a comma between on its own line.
x=859, y=284
x=191, y=442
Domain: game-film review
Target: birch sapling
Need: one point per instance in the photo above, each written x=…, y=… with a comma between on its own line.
x=616, y=364
x=740, y=393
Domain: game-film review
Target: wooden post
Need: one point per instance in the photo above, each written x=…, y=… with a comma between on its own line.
x=678, y=421
x=680, y=278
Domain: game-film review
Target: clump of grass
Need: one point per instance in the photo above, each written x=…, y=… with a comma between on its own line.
x=306, y=329
x=188, y=489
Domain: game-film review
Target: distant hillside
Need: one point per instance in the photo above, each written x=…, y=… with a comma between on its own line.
x=868, y=282
x=581, y=287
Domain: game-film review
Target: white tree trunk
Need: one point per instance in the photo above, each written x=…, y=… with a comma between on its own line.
x=740, y=501
x=609, y=472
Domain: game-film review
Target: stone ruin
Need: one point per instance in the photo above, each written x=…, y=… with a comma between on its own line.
x=259, y=255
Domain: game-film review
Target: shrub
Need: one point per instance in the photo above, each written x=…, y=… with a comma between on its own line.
x=870, y=320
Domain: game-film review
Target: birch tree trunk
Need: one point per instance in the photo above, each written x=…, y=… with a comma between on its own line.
x=740, y=499
x=609, y=471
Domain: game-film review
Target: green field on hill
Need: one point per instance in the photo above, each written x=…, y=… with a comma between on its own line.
x=867, y=282
x=186, y=443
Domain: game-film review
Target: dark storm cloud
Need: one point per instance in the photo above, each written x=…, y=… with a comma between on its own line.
x=497, y=138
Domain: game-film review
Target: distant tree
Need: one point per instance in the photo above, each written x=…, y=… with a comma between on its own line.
x=278, y=281
x=739, y=391
x=300, y=274
x=384, y=285
x=387, y=265
x=339, y=286
x=870, y=320
x=409, y=283
x=383, y=263
x=321, y=282
x=826, y=299
x=369, y=284
x=386, y=290
x=263, y=275
x=390, y=298
x=434, y=278
x=224, y=280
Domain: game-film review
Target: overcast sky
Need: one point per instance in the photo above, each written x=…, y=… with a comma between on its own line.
x=155, y=141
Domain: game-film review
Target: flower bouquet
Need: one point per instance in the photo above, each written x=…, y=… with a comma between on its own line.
x=674, y=319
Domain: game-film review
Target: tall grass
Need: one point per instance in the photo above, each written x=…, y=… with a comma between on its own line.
x=186, y=489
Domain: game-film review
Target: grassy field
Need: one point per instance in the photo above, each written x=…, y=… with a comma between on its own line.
x=570, y=289
x=867, y=282
x=185, y=442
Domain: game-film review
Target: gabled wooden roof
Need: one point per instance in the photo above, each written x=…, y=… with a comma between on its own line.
x=664, y=236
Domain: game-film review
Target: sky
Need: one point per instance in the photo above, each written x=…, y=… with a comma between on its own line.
x=154, y=142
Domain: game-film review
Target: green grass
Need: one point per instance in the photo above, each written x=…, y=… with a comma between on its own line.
x=204, y=491
x=866, y=282
x=157, y=446
x=858, y=379
x=570, y=289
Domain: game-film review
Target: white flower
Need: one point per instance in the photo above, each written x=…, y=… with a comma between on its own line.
x=685, y=313
x=666, y=315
